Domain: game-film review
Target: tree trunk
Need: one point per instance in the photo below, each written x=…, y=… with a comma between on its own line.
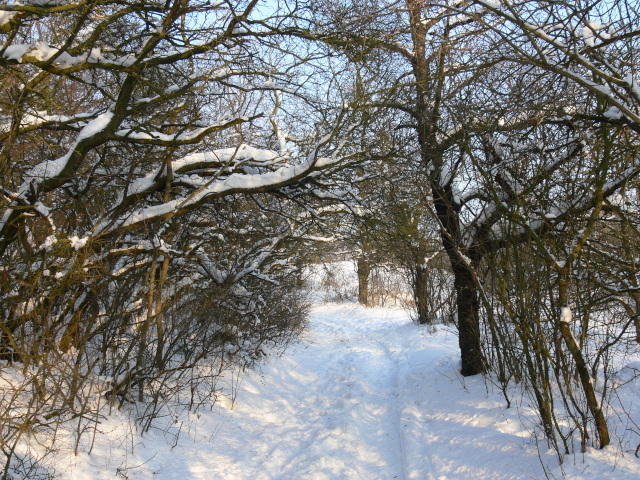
x=159, y=311
x=144, y=329
x=421, y=295
x=468, y=319
x=364, y=268
x=636, y=320
x=430, y=87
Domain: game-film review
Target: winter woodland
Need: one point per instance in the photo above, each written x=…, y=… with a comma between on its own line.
x=182, y=183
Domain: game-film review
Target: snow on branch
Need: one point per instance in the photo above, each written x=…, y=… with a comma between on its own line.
x=593, y=68
x=222, y=186
x=137, y=136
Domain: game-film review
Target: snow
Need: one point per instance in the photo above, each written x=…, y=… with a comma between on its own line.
x=16, y=52
x=41, y=51
x=52, y=168
x=445, y=175
x=183, y=137
x=565, y=315
x=613, y=113
x=224, y=155
x=366, y=395
x=242, y=153
x=95, y=126
x=78, y=243
x=491, y=4
x=236, y=182
x=48, y=243
x=592, y=31
x=5, y=17
x=633, y=84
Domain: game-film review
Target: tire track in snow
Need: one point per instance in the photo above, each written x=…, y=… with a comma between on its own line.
x=398, y=411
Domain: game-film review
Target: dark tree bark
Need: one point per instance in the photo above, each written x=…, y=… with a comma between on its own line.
x=468, y=320
x=364, y=269
x=421, y=295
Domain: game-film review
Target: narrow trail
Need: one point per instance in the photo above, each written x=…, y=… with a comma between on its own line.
x=338, y=410
x=367, y=395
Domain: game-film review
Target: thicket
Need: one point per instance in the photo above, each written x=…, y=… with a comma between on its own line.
x=158, y=180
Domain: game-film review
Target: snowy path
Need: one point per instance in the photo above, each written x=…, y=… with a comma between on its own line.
x=369, y=395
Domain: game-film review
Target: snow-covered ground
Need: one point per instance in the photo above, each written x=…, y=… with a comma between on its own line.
x=366, y=395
